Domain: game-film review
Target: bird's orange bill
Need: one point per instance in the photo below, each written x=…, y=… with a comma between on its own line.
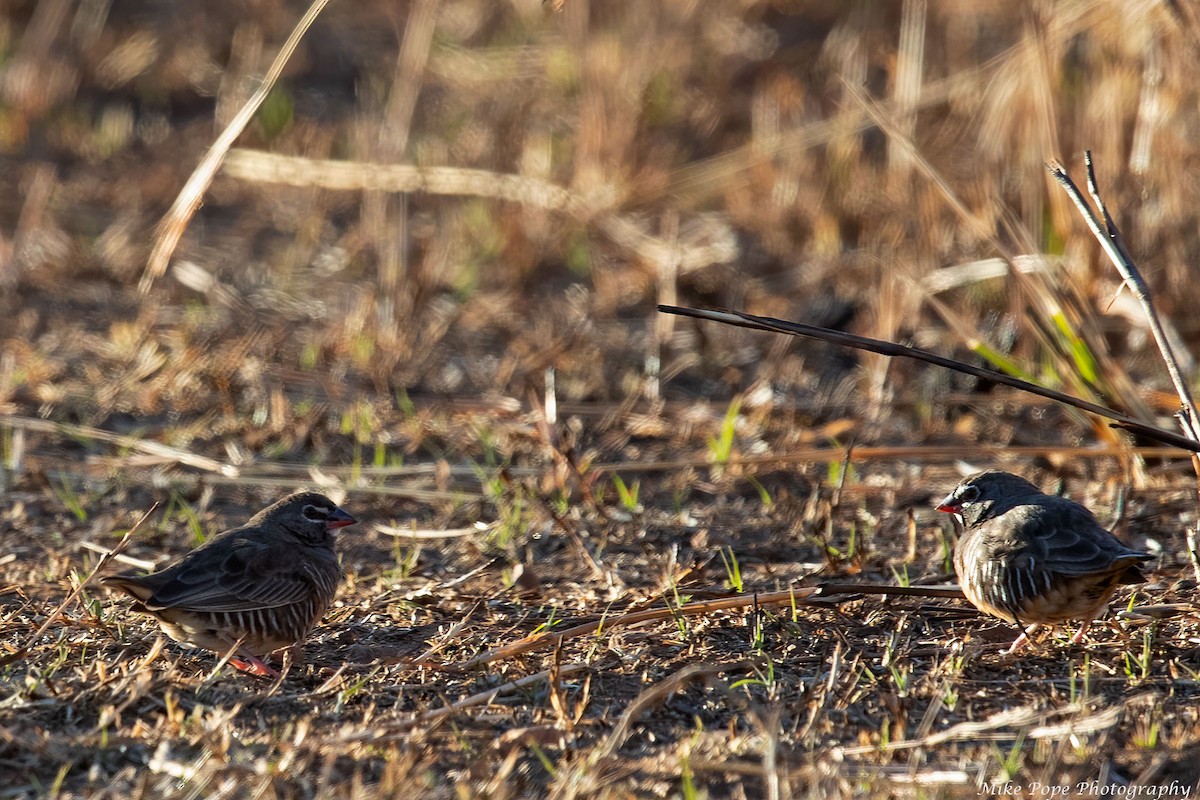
x=949, y=505
x=339, y=519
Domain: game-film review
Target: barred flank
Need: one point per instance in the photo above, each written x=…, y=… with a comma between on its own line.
x=290, y=623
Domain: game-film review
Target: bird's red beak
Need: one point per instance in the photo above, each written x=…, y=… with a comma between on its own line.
x=339, y=519
x=950, y=505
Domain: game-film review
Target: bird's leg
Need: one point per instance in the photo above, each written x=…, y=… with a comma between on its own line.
x=1078, y=637
x=1023, y=639
x=253, y=665
x=248, y=662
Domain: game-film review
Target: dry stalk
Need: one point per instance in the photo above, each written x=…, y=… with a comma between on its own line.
x=173, y=224
x=1193, y=547
x=479, y=699
x=891, y=453
x=656, y=694
x=595, y=208
x=24, y=649
x=156, y=449
x=449, y=636
x=258, y=167
x=1034, y=722
x=1113, y=244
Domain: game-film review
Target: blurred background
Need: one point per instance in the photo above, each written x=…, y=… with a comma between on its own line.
x=876, y=167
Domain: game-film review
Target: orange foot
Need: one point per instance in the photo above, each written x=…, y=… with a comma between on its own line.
x=253, y=665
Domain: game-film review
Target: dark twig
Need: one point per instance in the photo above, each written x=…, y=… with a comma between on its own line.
x=742, y=319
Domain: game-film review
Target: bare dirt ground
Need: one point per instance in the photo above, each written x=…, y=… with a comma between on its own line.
x=472, y=364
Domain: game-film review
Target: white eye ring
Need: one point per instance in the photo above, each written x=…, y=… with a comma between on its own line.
x=968, y=494
x=315, y=513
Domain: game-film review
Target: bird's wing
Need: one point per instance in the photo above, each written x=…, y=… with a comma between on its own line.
x=1067, y=540
x=242, y=574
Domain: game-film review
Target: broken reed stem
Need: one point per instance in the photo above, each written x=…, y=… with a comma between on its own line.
x=171, y=228
x=24, y=650
x=1111, y=241
x=803, y=596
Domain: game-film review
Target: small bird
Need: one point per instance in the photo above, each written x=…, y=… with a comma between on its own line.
x=253, y=589
x=1032, y=558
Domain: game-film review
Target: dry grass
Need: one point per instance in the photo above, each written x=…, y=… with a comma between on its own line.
x=427, y=280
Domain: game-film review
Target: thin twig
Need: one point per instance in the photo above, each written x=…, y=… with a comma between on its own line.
x=744, y=320
x=480, y=699
x=449, y=636
x=656, y=694
x=140, y=563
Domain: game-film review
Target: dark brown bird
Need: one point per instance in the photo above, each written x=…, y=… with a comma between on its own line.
x=1032, y=558
x=254, y=589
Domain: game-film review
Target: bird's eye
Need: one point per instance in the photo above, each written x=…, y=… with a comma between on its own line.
x=315, y=513
x=968, y=494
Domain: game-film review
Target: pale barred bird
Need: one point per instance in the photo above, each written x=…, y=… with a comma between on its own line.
x=1035, y=559
x=253, y=589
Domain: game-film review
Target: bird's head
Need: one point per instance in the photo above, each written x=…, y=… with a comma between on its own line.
x=308, y=515
x=975, y=499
